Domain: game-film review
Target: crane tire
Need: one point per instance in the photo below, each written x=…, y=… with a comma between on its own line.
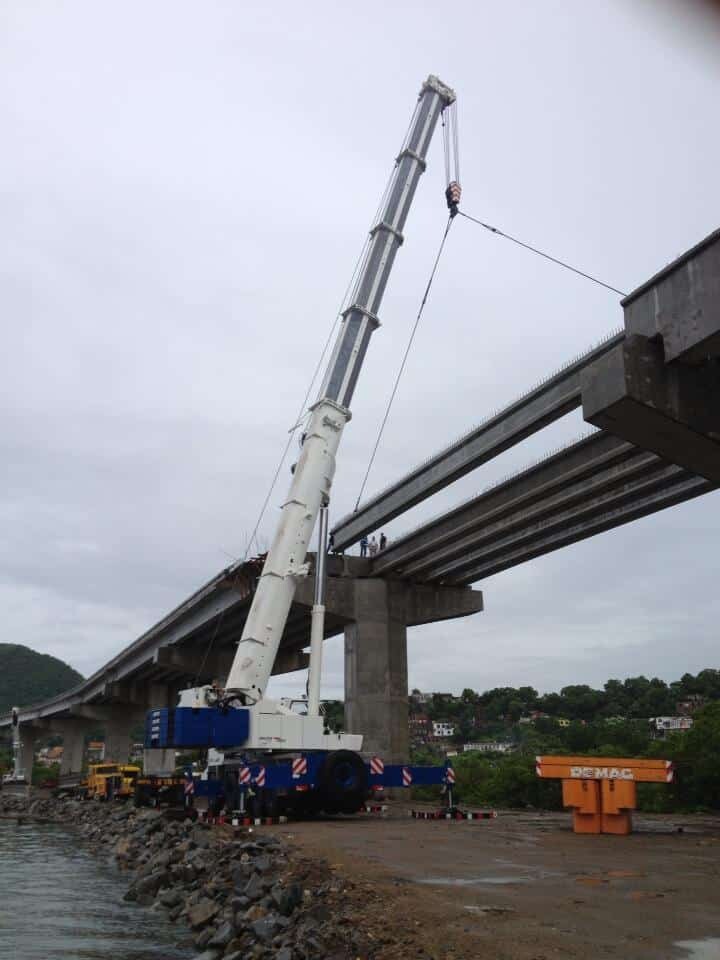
x=343, y=782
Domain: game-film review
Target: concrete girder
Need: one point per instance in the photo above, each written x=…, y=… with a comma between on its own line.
x=288, y=661
x=554, y=398
x=681, y=305
x=667, y=475
x=588, y=491
x=685, y=488
x=671, y=409
x=198, y=664
x=583, y=459
x=117, y=691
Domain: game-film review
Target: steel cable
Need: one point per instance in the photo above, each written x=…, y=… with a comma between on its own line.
x=540, y=253
x=404, y=361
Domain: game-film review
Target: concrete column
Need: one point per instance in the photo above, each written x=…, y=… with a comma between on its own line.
x=159, y=761
x=118, y=721
x=376, y=675
x=28, y=735
x=118, y=735
x=73, y=730
x=376, y=659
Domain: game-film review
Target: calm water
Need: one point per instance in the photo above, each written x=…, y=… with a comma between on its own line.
x=58, y=902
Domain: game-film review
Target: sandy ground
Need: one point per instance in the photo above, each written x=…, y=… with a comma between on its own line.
x=523, y=886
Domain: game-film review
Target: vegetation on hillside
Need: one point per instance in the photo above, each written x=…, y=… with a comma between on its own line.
x=27, y=676
x=612, y=722
x=491, y=713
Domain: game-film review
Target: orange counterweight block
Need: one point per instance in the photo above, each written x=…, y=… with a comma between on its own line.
x=618, y=799
x=583, y=796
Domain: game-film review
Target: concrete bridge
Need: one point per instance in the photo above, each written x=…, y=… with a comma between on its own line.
x=653, y=392
x=195, y=643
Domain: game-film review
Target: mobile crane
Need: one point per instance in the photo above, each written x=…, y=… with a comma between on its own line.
x=274, y=748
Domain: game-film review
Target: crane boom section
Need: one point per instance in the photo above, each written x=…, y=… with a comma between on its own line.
x=313, y=476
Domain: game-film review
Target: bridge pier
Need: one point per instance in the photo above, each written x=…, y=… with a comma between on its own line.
x=29, y=734
x=376, y=660
x=73, y=731
x=375, y=613
x=118, y=721
x=157, y=762
x=376, y=671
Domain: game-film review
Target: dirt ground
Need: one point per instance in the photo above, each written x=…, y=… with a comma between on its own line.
x=523, y=886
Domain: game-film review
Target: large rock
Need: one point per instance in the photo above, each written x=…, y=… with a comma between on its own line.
x=286, y=899
x=203, y=939
x=264, y=928
x=202, y=912
x=255, y=888
x=201, y=835
x=223, y=935
x=147, y=886
x=241, y=873
x=122, y=848
x=172, y=898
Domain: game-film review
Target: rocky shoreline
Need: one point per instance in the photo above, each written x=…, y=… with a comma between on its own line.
x=243, y=893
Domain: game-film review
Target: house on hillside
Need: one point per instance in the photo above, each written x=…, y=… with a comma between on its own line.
x=660, y=726
x=96, y=751
x=442, y=729
x=49, y=756
x=489, y=746
x=691, y=704
x=420, y=727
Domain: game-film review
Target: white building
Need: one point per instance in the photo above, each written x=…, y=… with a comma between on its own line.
x=489, y=746
x=441, y=728
x=662, y=725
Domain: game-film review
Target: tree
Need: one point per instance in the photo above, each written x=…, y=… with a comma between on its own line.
x=701, y=757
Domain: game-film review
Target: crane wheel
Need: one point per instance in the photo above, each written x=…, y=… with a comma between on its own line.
x=343, y=782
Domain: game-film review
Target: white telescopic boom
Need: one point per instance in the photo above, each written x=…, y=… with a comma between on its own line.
x=317, y=621
x=310, y=488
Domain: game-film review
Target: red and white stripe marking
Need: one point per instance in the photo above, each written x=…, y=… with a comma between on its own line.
x=260, y=777
x=189, y=787
x=669, y=771
x=299, y=767
x=406, y=776
x=244, y=776
x=377, y=766
x=453, y=815
x=449, y=775
x=538, y=766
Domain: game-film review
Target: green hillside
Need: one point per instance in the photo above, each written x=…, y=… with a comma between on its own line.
x=27, y=676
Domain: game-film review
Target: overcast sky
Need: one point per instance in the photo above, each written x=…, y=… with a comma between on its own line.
x=184, y=189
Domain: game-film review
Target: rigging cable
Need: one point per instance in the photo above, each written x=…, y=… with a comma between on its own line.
x=540, y=253
x=404, y=360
